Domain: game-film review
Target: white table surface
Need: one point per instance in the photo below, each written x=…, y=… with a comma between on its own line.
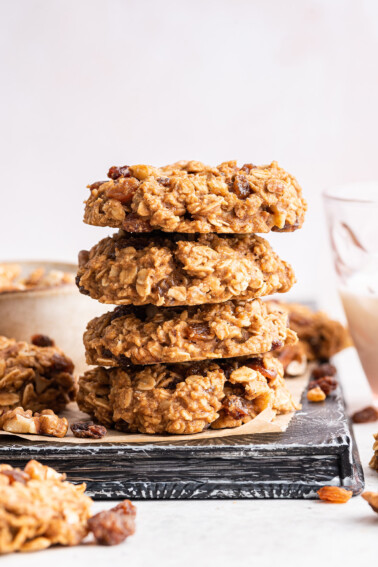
x=240, y=533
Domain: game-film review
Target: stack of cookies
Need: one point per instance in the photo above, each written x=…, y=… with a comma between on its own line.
x=189, y=345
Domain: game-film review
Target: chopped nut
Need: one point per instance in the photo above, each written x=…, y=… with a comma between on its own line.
x=113, y=526
x=44, y=423
x=366, y=415
x=316, y=395
x=88, y=429
x=372, y=499
x=335, y=494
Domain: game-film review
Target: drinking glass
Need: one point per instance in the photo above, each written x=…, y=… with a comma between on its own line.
x=352, y=215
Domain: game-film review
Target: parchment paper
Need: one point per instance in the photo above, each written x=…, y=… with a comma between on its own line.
x=265, y=422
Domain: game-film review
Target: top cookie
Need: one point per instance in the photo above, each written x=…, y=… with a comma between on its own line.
x=189, y=196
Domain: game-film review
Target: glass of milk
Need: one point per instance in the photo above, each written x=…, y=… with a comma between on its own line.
x=352, y=214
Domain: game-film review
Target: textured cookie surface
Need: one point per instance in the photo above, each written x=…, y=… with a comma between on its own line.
x=148, y=335
x=38, y=509
x=34, y=377
x=184, y=398
x=171, y=270
x=189, y=196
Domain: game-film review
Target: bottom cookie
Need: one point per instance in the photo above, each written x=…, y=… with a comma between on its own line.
x=184, y=398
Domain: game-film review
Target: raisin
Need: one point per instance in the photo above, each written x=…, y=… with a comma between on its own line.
x=81, y=288
x=42, y=341
x=164, y=285
x=366, y=415
x=198, y=331
x=83, y=258
x=116, y=172
x=134, y=223
x=326, y=383
x=96, y=185
x=124, y=361
x=165, y=181
x=88, y=430
x=16, y=475
x=240, y=186
x=276, y=345
x=123, y=191
x=258, y=365
x=247, y=167
x=113, y=526
x=288, y=227
x=61, y=364
x=334, y=494
x=322, y=370
x=235, y=406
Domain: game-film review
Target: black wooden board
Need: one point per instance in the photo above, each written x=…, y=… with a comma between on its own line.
x=317, y=449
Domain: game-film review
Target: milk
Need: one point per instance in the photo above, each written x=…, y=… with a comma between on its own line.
x=361, y=309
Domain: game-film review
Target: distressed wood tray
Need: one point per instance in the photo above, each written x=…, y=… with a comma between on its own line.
x=318, y=448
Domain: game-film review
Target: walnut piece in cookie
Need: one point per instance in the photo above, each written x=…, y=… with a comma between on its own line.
x=178, y=269
x=113, y=526
x=372, y=499
x=190, y=197
x=148, y=335
x=38, y=509
x=35, y=376
x=184, y=398
x=88, y=430
x=47, y=422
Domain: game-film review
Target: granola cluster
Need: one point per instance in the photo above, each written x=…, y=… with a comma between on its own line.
x=184, y=398
x=189, y=197
x=11, y=280
x=170, y=270
x=148, y=335
x=38, y=509
x=34, y=377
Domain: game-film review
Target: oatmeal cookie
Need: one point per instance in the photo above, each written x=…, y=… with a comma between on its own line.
x=184, y=398
x=147, y=335
x=171, y=270
x=38, y=508
x=189, y=196
x=34, y=377
x=320, y=336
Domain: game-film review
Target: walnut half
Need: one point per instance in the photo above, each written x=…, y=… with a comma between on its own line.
x=45, y=423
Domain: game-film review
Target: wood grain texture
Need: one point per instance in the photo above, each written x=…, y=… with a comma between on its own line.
x=318, y=448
